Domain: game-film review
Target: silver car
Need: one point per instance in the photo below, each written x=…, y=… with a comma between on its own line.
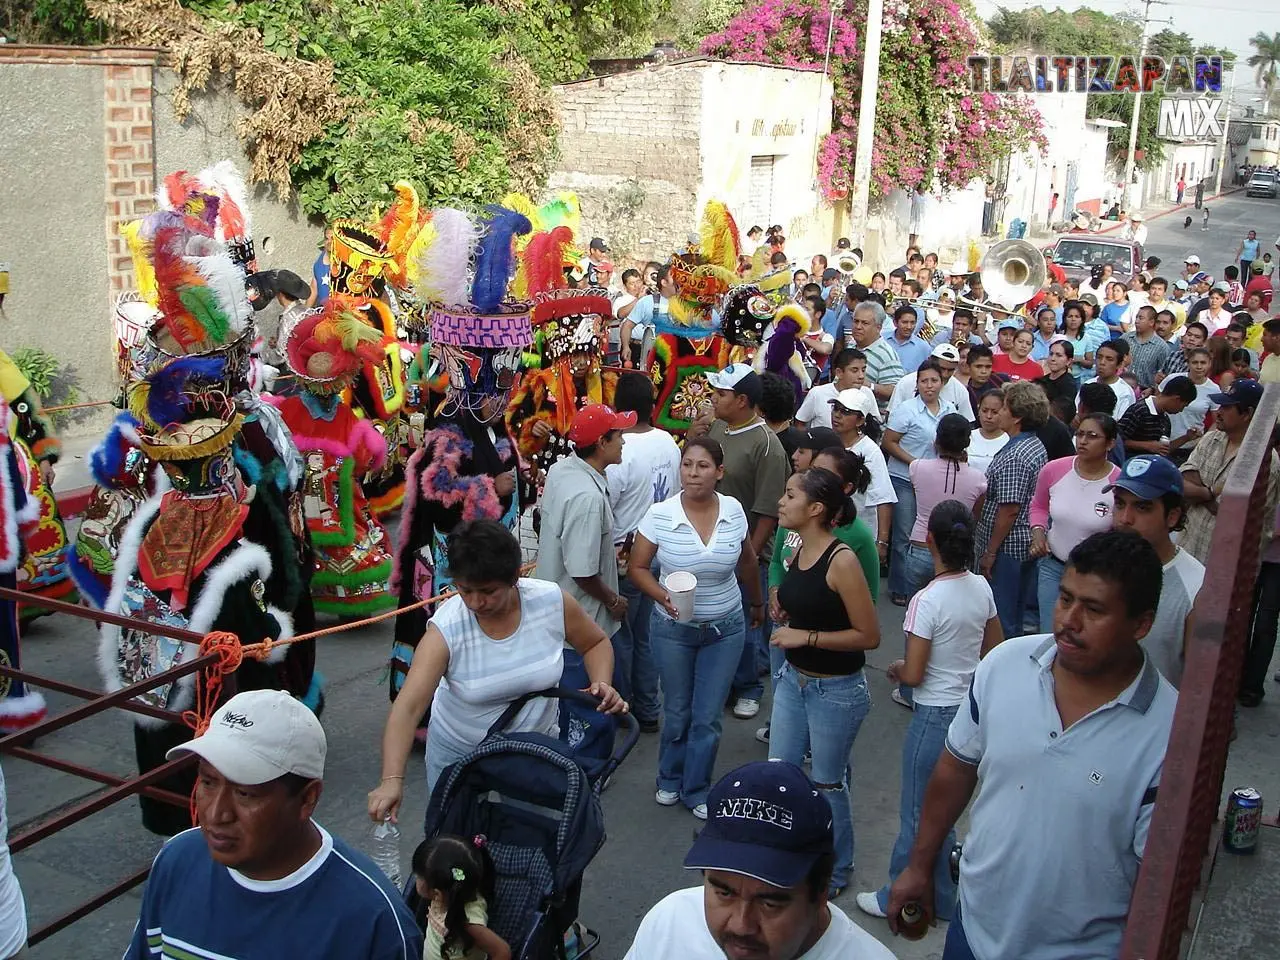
x=1262, y=185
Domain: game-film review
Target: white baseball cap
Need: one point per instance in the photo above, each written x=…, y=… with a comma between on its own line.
x=856, y=400
x=259, y=736
x=1192, y=259
x=945, y=351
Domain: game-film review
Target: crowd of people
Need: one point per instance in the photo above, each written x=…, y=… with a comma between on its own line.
x=721, y=458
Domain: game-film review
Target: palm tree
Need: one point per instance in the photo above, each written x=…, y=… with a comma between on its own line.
x=1266, y=60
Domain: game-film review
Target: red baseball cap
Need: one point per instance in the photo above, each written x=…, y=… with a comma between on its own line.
x=594, y=421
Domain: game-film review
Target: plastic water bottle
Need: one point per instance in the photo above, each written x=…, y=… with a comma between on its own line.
x=385, y=849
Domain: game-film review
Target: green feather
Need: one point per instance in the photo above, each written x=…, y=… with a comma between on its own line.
x=203, y=306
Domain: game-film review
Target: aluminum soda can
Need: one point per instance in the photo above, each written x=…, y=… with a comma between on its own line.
x=414, y=395
x=1243, y=820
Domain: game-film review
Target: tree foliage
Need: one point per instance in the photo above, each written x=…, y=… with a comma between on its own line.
x=49, y=21
x=929, y=128
x=1265, y=60
x=1091, y=32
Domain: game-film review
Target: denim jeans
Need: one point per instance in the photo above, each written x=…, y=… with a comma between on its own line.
x=748, y=679
x=919, y=568
x=635, y=672
x=696, y=661
x=1262, y=639
x=822, y=713
x=1013, y=586
x=957, y=944
x=924, y=743
x=904, y=518
x=1049, y=575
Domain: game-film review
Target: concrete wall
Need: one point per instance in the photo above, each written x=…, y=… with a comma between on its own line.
x=51, y=218
x=644, y=151
x=88, y=134
x=282, y=234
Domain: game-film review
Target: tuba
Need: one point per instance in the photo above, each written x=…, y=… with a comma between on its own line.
x=847, y=263
x=1012, y=272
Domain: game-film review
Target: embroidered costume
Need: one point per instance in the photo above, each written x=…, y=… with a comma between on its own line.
x=44, y=568
x=455, y=475
x=19, y=707
x=326, y=352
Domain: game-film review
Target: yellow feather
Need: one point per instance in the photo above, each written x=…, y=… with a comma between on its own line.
x=718, y=245
x=139, y=393
x=144, y=273
x=421, y=242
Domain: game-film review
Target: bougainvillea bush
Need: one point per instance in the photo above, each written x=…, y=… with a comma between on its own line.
x=931, y=129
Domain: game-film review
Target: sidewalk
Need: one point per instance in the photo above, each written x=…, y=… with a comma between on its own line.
x=1150, y=213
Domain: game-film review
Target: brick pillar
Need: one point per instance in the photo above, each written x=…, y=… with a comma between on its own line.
x=130, y=156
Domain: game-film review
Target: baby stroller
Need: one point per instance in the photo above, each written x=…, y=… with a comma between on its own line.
x=540, y=813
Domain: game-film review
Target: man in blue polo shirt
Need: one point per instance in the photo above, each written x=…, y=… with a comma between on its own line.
x=1066, y=735
x=259, y=877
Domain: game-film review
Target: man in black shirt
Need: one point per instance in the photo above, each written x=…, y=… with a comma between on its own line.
x=1145, y=425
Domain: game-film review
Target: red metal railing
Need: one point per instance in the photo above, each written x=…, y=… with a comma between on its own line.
x=116, y=788
x=1191, y=783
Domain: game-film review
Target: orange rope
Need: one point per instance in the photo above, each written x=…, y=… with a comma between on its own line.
x=78, y=406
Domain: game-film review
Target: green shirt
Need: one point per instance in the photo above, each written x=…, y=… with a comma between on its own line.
x=856, y=536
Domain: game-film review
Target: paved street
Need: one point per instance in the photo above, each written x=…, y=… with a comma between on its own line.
x=641, y=861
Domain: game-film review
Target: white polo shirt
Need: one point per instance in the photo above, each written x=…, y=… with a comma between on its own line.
x=1060, y=820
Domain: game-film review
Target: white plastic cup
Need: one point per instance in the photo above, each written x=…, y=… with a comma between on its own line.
x=681, y=586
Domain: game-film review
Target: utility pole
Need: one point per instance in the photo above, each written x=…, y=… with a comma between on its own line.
x=1137, y=110
x=861, y=193
x=1226, y=126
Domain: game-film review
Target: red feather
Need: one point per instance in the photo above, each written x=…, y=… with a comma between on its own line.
x=544, y=260
x=174, y=274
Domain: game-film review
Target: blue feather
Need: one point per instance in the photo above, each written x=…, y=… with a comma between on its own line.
x=106, y=460
x=495, y=260
x=87, y=582
x=167, y=403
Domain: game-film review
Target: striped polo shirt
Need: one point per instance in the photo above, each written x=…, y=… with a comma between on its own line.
x=1060, y=820
x=883, y=365
x=714, y=564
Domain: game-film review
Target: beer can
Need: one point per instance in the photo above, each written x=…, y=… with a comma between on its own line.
x=414, y=395
x=1243, y=820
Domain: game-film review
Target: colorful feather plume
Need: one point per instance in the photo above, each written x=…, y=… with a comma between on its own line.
x=495, y=258
x=720, y=241
x=561, y=211
x=140, y=250
x=107, y=459
x=333, y=342
x=224, y=181
x=522, y=204
x=160, y=399
x=544, y=261
x=445, y=265
x=200, y=291
x=400, y=223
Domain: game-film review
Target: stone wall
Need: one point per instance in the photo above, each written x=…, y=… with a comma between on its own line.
x=630, y=148
x=88, y=134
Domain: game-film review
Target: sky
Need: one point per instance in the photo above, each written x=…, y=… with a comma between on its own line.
x=1218, y=23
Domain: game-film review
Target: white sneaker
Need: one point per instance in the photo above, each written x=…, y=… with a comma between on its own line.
x=869, y=904
x=700, y=811
x=746, y=708
x=763, y=734
x=668, y=798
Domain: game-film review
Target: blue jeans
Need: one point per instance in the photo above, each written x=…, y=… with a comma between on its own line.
x=904, y=518
x=957, y=944
x=1049, y=575
x=635, y=672
x=924, y=743
x=1013, y=586
x=748, y=679
x=919, y=568
x=696, y=661
x=823, y=714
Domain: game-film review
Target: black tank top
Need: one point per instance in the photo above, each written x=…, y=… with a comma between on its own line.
x=812, y=605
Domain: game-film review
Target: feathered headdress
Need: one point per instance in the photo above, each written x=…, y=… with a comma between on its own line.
x=445, y=266
x=399, y=230
x=181, y=411
x=217, y=196
x=200, y=291
x=328, y=346
x=495, y=257
x=720, y=244
x=542, y=267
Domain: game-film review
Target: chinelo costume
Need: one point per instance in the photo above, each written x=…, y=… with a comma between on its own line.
x=364, y=260
x=19, y=707
x=206, y=548
x=43, y=571
x=327, y=350
x=690, y=346
x=477, y=337
x=565, y=367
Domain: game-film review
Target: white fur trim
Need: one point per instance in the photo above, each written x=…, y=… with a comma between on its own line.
x=278, y=654
x=245, y=561
x=25, y=710
x=12, y=554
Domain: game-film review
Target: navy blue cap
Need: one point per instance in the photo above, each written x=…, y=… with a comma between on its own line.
x=1149, y=477
x=765, y=820
x=1243, y=393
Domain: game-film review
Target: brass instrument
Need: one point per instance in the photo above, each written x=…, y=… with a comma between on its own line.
x=1012, y=272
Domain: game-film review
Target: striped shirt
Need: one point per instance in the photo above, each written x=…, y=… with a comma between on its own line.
x=484, y=675
x=336, y=906
x=714, y=564
x=883, y=365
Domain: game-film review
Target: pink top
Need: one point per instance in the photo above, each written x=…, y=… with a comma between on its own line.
x=1072, y=507
x=938, y=480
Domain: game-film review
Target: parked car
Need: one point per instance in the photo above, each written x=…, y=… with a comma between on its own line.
x=1078, y=253
x=1261, y=184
